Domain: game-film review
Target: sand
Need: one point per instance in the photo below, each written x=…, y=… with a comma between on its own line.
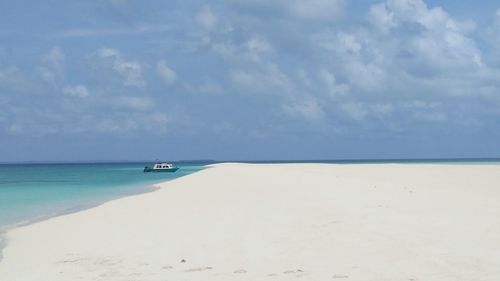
x=278, y=222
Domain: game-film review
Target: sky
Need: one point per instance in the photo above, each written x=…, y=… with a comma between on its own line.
x=104, y=80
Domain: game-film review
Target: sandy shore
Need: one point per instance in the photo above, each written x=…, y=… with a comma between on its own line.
x=278, y=222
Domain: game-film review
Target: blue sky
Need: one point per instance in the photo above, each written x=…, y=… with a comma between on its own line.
x=237, y=79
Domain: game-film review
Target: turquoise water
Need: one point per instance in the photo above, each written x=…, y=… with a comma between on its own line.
x=30, y=192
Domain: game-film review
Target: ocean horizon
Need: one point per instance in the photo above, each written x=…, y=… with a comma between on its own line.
x=215, y=161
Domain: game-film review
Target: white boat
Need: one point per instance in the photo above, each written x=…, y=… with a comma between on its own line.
x=161, y=167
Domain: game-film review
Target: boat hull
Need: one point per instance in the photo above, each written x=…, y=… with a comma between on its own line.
x=151, y=170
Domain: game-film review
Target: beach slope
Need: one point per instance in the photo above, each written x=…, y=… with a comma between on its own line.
x=278, y=222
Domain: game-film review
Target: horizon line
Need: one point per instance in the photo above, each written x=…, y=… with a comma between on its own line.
x=212, y=161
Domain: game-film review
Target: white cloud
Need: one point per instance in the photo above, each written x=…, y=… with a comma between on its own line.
x=443, y=41
x=252, y=50
x=94, y=114
x=258, y=44
x=209, y=87
x=368, y=76
x=131, y=71
x=264, y=79
x=46, y=74
x=76, y=91
x=225, y=49
x=153, y=122
x=108, y=52
x=333, y=88
x=287, y=56
x=418, y=104
x=496, y=22
x=158, y=122
x=136, y=103
x=206, y=18
x=382, y=17
x=52, y=65
x=166, y=73
x=55, y=60
x=243, y=78
x=408, y=48
x=349, y=42
x=358, y=56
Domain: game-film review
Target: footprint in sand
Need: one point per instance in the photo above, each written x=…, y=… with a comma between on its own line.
x=293, y=271
x=240, y=271
x=167, y=267
x=70, y=260
x=198, y=269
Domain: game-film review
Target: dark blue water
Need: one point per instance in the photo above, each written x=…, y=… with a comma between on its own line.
x=30, y=192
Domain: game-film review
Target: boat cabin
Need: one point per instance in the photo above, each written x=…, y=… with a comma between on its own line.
x=163, y=166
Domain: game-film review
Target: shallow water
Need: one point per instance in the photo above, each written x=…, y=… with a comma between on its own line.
x=30, y=192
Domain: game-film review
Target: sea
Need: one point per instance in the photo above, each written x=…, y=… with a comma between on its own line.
x=33, y=192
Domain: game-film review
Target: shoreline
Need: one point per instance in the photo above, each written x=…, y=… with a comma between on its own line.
x=4, y=230
x=145, y=188
x=254, y=221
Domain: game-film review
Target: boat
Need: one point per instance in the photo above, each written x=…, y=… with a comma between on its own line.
x=161, y=167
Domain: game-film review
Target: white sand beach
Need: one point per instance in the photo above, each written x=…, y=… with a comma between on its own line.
x=278, y=222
